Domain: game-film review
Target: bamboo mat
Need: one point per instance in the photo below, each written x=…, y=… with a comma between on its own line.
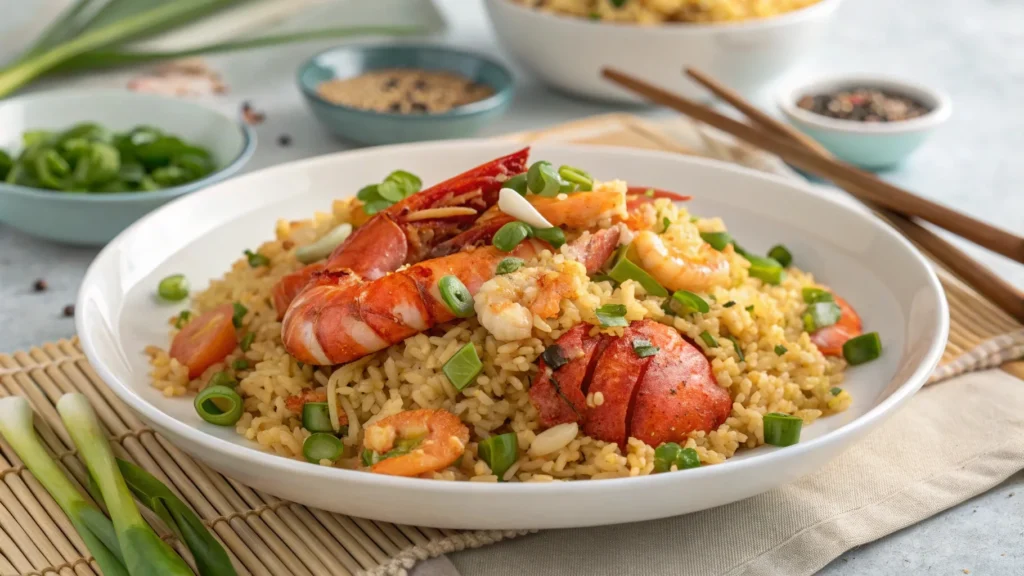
x=267, y=536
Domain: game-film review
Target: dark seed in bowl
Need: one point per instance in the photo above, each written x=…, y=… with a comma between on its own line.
x=69, y=311
x=863, y=105
x=404, y=91
x=40, y=285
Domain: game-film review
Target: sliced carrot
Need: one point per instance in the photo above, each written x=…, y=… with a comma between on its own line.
x=206, y=340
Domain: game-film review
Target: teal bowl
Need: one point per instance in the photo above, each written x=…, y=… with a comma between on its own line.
x=92, y=219
x=872, y=146
x=370, y=127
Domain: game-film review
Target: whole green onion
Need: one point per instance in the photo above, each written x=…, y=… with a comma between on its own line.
x=143, y=551
x=95, y=529
x=210, y=557
x=456, y=296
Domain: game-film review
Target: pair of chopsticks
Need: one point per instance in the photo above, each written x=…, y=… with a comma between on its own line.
x=895, y=204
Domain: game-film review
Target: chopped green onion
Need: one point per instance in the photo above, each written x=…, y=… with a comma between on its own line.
x=781, y=254
x=222, y=379
x=554, y=236
x=718, y=240
x=612, y=315
x=462, y=368
x=780, y=349
x=765, y=269
x=239, y=314
x=510, y=235
x=576, y=176
x=665, y=223
x=554, y=357
x=736, y=347
x=542, y=179
x=316, y=417
x=173, y=288
x=219, y=405
x=499, y=452
x=322, y=446
x=649, y=192
x=694, y=219
x=814, y=295
x=836, y=391
x=183, y=319
x=729, y=304
x=240, y=364
x=749, y=308
x=517, y=183
x=821, y=315
x=456, y=296
x=863, y=348
x=604, y=278
x=688, y=458
x=508, y=265
x=690, y=302
x=781, y=429
x=323, y=247
x=643, y=348
x=709, y=339
x=256, y=259
x=624, y=269
x=665, y=456
x=246, y=342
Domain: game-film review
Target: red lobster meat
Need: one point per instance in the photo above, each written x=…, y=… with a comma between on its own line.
x=655, y=398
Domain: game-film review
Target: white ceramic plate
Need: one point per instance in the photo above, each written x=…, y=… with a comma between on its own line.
x=879, y=272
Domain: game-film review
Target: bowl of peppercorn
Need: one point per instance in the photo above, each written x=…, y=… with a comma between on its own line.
x=870, y=121
x=386, y=94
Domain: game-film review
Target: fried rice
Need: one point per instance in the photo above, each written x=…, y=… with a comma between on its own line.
x=761, y=356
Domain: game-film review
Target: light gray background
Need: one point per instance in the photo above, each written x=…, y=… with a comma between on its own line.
x=974, y=49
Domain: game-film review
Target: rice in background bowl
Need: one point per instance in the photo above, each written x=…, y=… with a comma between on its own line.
x=749, y=46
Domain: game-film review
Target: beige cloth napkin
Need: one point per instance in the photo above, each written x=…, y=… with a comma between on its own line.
x=904, y=472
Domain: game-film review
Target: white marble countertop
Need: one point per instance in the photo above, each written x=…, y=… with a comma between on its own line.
x=974, y=49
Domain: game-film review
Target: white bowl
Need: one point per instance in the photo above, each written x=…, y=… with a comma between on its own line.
x=869, y=145
x=200, y=235
x=94, y=219
x=569, y=52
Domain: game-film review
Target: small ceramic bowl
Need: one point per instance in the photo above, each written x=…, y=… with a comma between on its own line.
x=94, y=219
x=869, y=145
x=370, y=127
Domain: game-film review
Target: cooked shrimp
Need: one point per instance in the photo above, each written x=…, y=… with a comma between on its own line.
x=507, y=304
x=415, y=442
x=682, y=265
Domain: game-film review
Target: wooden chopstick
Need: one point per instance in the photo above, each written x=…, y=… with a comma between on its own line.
x=864, y=186
x=1001, y=293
